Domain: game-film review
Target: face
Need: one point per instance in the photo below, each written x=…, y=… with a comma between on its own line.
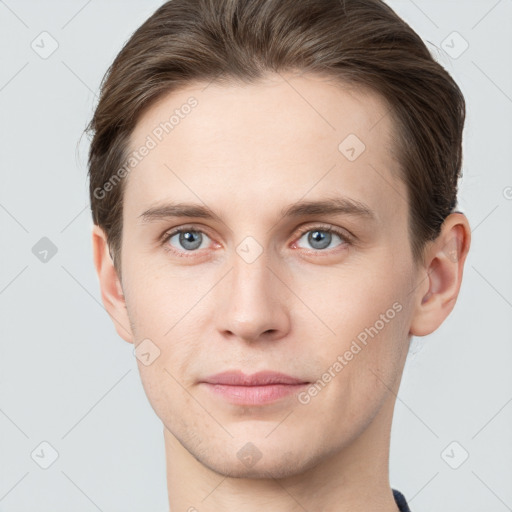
x=261, y=277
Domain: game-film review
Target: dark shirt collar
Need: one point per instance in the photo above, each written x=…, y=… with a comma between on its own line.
x=400, y=501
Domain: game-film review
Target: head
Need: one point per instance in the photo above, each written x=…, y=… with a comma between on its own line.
x=254, y=127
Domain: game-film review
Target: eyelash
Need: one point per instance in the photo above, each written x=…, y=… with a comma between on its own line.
x=348, y=239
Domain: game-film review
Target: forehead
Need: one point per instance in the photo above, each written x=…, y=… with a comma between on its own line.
x=270, y=143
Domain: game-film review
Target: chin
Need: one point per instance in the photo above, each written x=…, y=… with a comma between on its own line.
x=278, y=466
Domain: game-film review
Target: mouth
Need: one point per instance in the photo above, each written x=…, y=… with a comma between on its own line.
x=258, y=389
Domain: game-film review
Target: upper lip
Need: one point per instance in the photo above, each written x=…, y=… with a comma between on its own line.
x=239, y=378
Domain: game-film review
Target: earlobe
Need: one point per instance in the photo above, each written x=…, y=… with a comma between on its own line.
x=441, y=276
x=111, y=289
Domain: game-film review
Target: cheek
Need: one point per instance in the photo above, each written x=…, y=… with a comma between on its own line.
x=363, y=360
x=158, y=298
x=354, y=297
x=369, y=310
x=168, y=378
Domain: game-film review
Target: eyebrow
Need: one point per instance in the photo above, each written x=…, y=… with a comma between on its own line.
x=333, y=206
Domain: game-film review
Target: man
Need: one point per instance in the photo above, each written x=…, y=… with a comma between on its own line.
x=273, y=187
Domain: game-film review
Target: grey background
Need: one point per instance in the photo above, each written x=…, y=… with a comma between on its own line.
x=67, y=378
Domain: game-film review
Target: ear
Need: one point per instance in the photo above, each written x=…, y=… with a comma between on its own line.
x=441, y=275
x=110, y=285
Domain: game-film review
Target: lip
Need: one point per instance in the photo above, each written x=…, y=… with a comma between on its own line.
x=257, y=389
x=263, y=378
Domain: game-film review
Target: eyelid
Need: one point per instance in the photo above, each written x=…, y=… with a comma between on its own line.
x=341, y=232
x=182, y=227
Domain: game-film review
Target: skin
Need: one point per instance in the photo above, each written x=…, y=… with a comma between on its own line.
x=247, y=152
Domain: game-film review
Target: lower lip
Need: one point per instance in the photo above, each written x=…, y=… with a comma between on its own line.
x=254, y=395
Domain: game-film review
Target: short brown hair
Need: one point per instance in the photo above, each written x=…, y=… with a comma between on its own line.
x=358, y=42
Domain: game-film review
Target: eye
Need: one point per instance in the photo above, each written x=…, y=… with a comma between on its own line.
x=185, y=239
x=321, y=237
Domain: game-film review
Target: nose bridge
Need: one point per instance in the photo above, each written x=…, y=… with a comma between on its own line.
x=251, y=279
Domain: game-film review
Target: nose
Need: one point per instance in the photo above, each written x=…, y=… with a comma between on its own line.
x=252, y=302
